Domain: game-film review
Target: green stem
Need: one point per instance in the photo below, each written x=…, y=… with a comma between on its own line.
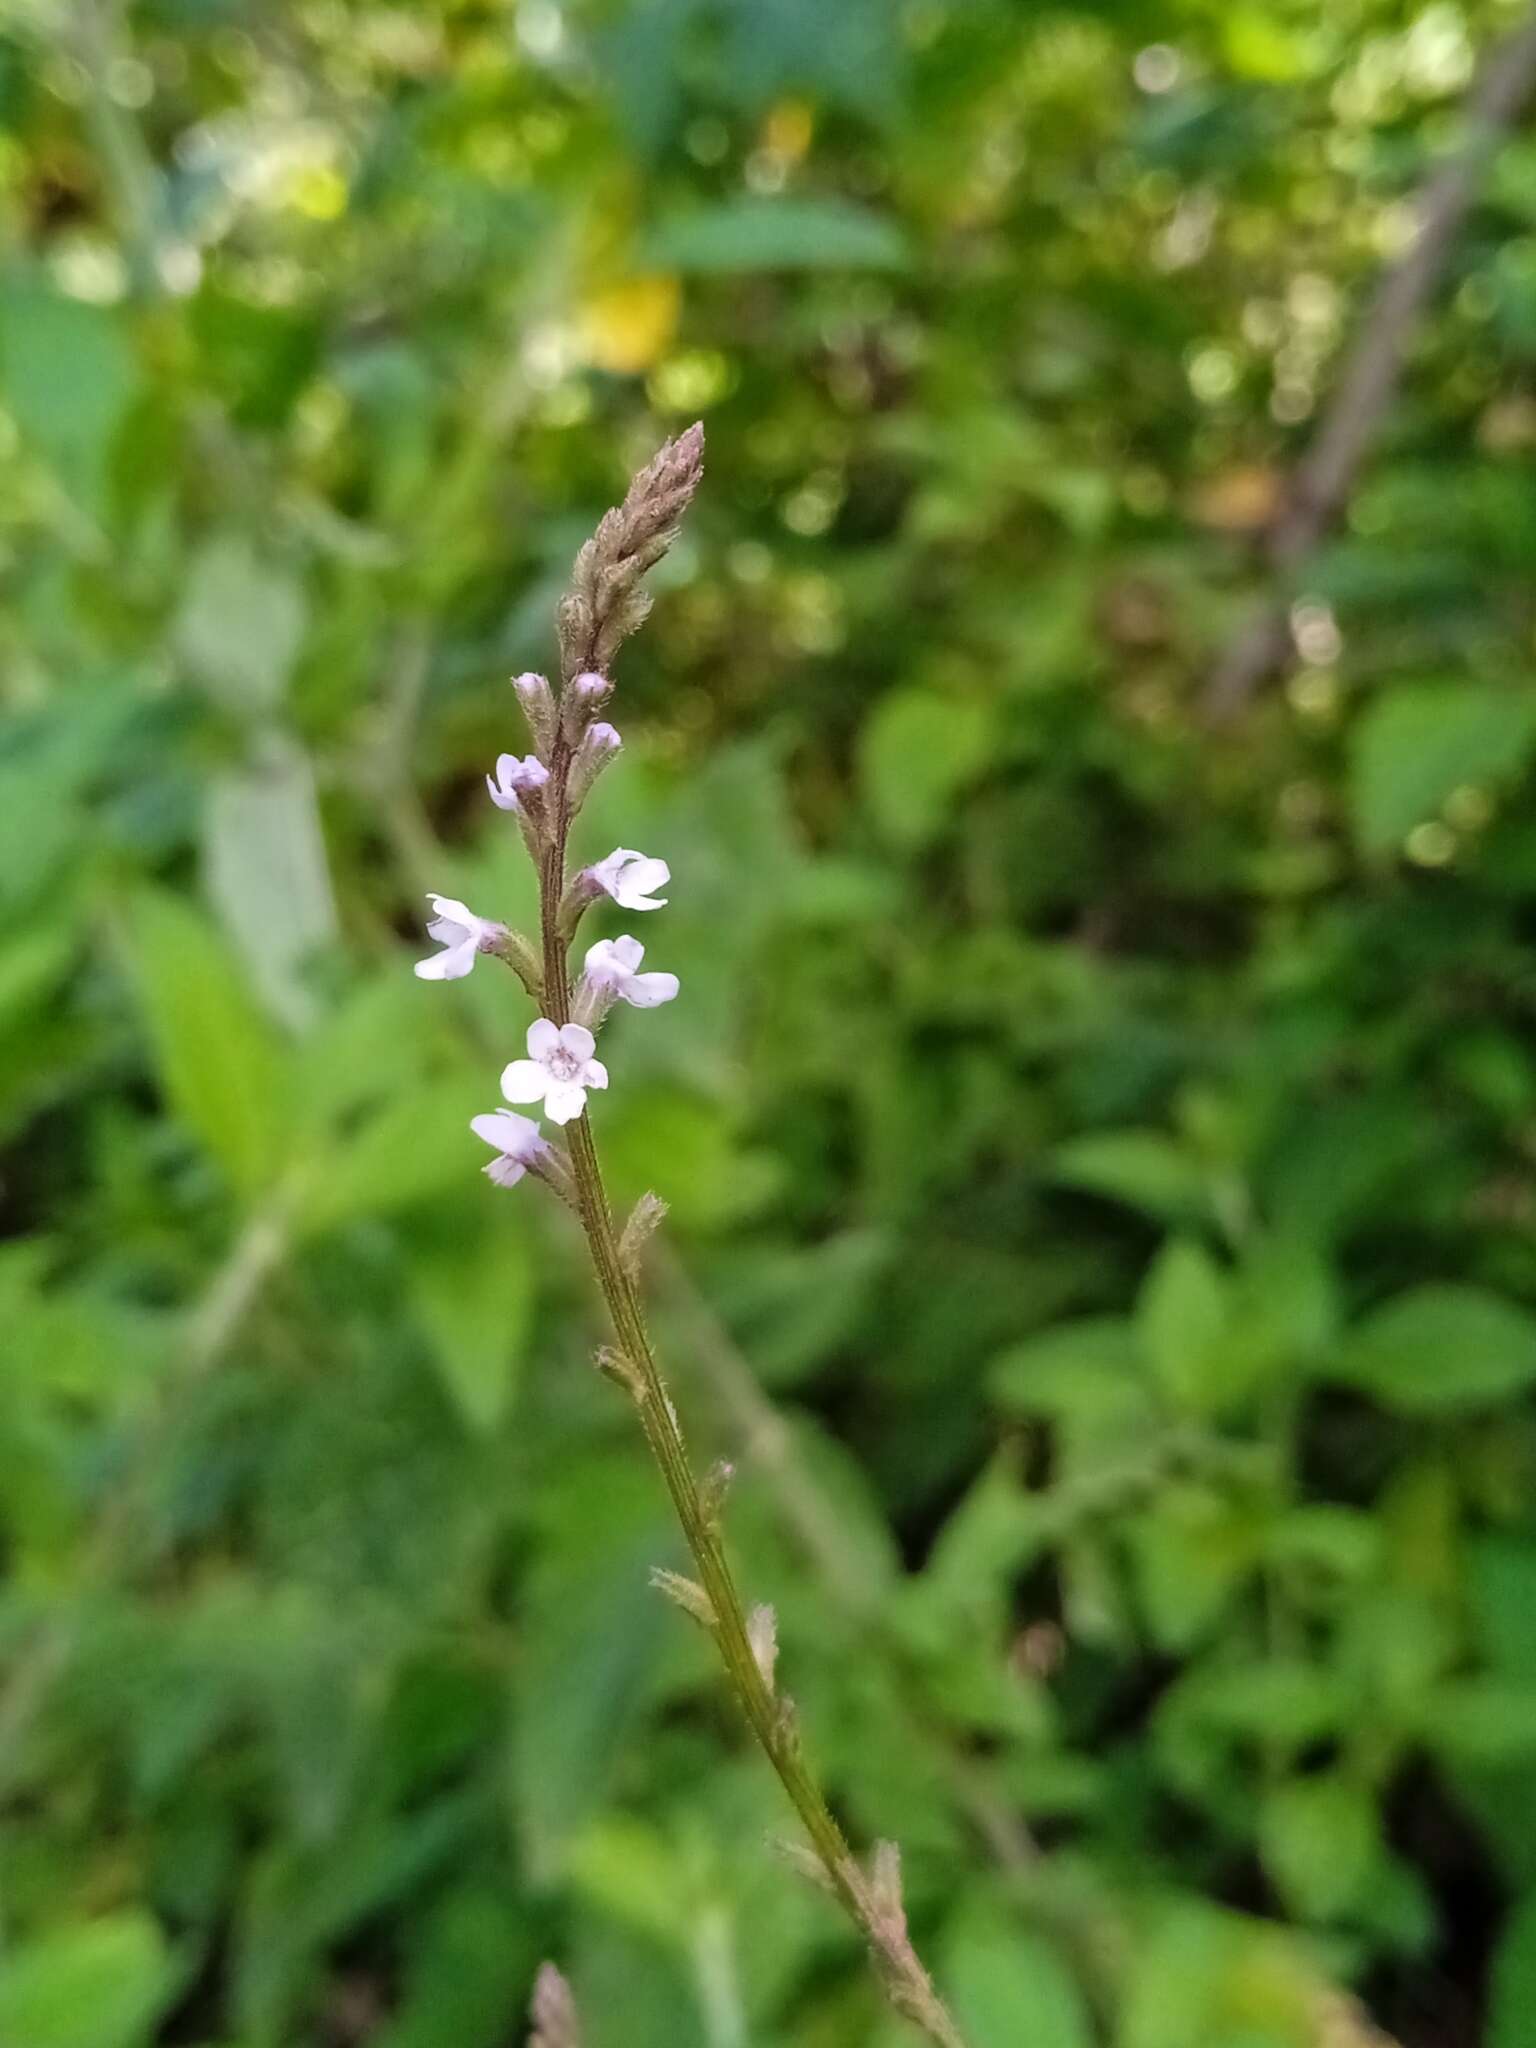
x=769, y=1717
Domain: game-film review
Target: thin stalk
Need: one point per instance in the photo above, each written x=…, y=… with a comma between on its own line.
x=877, y=1914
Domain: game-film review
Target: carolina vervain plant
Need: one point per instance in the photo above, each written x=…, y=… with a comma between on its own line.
x=544, y=791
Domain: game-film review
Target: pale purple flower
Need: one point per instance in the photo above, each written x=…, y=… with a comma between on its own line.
x=629, y=877
x=515, y=779
x=460, y=934
x=558, y=1071
x=517, y=1143
x=612, y=967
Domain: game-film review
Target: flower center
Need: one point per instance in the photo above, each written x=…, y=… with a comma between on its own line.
x=562, y=1064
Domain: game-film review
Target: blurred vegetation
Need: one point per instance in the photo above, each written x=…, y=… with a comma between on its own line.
x=1107, y=1139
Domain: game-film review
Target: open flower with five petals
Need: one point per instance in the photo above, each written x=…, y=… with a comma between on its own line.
x=558, y=1071
x=629, y=878
x=612, y=969
x=461, y=935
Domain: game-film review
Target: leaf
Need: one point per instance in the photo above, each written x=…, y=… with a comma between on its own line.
x=1181, y=1316
x=417, y=1145
x=773, y=234
x=1320, y=1841
x=468, y=1963
x=1418, y=742
x=475, y=1300
x=590, y=1630
x=222, y=1070
x=1088, y=1367
x=1481, y=1721
x=240, y=625
x=264, y=865
x=1008, y=1984
x=68, y=374
x=916, y=753
x=1144, y=1169
x=1439, y=1349
x=1192, y=1550
x=1513, y=1999
x=791, y=1307
x=99, y=1985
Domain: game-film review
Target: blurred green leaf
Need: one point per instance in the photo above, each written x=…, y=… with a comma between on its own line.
x=68, y=374
x=1005, y=1981
x=1182, y=1319
x=240, y=624
x=1514, y=1979
x=917, y=753
x=1320, y=1842
x=265, y=866
x=592, y=1626
x=1438, y=1349
x=1419, y=742
x=102, y=1984
x=220, y=1066
x=773, y=234
x=1142, y=1168
x=475, y=1296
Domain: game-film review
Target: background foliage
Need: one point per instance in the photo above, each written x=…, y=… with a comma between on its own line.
x=1109, y=1140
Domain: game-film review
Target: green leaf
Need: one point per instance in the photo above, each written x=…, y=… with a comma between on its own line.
x=590, y=1628
x=917, y=752
x=774, y=234
x=1514, y=1980
x=1481, y=1721
x=416, y=1146
x=68, y=374
x=1008, y=1984
x=1320, y=1839
x=1192, y=1551
x=1440, y=1349
x=1418, y=742
x=1089, y=1367
x=469, y=1968
x=222, y=1069
x=240, y=625
x=475, y=1300
x=99, y=1985
x=1181, y=1316
x=792, y=1306
x=264, y=864
x=1144, y=1169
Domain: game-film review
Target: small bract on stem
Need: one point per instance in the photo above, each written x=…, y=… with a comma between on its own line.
x=544, y=791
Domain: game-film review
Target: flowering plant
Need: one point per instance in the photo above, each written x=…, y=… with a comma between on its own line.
x=544, y=791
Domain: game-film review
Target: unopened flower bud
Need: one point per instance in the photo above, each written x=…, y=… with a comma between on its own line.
x=582, y=699
x=538, y=702
x=597, y=747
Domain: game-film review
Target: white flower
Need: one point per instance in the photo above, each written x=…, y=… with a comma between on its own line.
x=515, y=779
x=461, y=934
x=612, y=964
x=629, y=877
x=516, y=1140
x=558, y=1071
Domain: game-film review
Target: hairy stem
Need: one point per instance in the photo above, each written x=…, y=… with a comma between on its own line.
x=768, y=1715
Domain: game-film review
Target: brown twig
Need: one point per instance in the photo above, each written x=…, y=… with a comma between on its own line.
x=1321, y=486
